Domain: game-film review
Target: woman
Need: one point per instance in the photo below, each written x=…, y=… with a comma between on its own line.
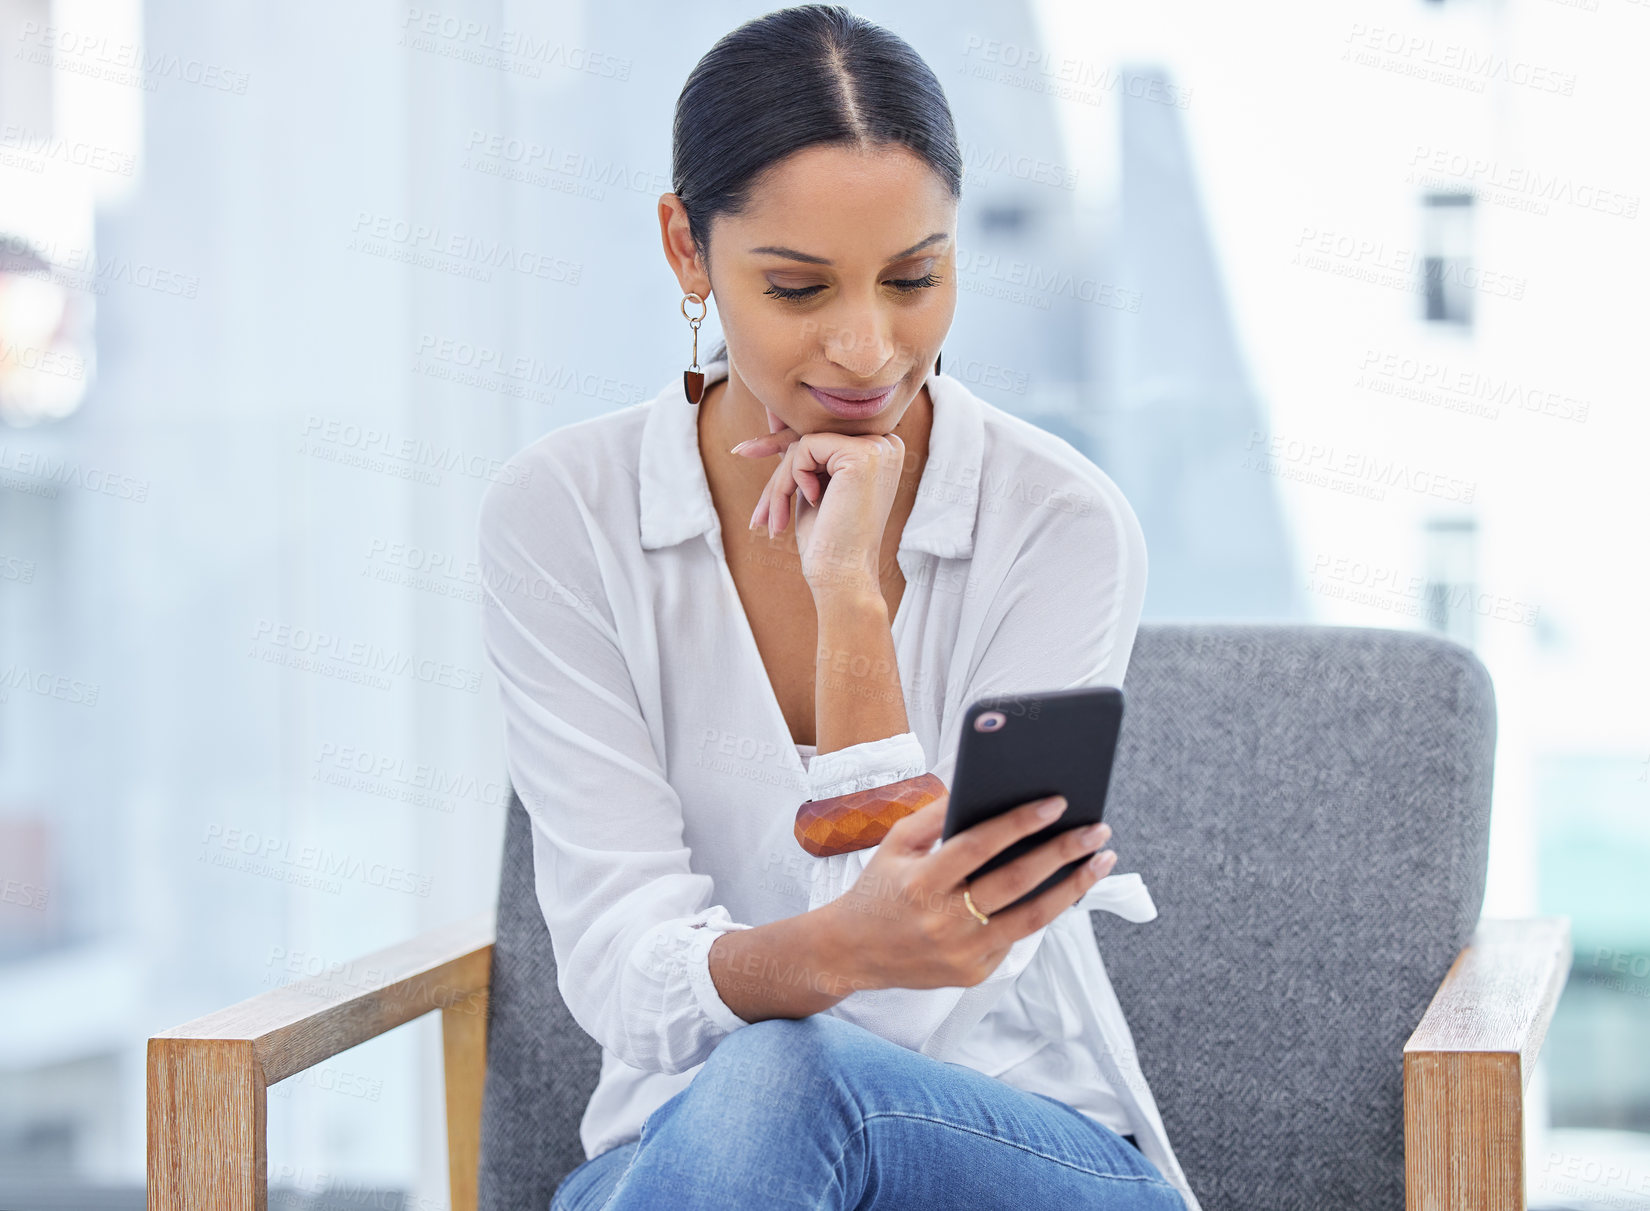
x=681, y=668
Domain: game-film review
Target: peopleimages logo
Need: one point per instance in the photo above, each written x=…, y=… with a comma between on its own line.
x=1023, y=281
x=484, y=363
x=375, y=449
x=1080, y=80
x=25, y=895
x=52, y=471
x=99, y=57
x=308, y=865
x=394, y=777
x=1323, y=465
x=1448, y=62
x=429, y=246
x=485, y=45
x=1388, y=588
x=60, y=363
x=1515, y=185
x=534, y=162
x=47, y=685
x=321, y=652
x=78, y=267
x=36, y=147
x=1462, y=389
x=1378, y=263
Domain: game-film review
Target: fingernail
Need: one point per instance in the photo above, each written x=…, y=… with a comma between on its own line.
x=1052, y=808
x=741, y=445
x=1102, y=861
x=1093, y=832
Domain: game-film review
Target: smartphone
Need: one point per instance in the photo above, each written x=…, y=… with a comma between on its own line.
x=1019, y=747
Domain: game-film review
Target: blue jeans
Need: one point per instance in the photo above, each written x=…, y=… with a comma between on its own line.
x=822, y=1114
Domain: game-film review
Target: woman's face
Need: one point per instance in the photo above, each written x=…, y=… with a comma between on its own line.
x=838, y=277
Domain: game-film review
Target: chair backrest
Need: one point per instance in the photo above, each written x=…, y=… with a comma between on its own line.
x=541, y=1065
x=1310, y=808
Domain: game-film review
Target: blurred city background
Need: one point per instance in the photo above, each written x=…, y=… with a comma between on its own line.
x=1345, y=297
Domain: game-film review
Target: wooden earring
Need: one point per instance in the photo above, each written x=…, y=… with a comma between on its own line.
x=693, y=378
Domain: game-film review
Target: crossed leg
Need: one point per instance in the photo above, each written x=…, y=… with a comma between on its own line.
x=820, y=1114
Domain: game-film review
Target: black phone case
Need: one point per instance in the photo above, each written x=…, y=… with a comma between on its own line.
x=1057, y=743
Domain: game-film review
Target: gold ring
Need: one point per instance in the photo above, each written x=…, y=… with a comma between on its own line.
x=978, y=915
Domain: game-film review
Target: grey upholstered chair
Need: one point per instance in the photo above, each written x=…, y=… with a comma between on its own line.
x=1310, y=807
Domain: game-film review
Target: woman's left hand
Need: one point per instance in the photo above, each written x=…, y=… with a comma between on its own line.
x=847, y=484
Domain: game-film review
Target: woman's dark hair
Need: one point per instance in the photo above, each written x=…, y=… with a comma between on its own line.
x=816, y=73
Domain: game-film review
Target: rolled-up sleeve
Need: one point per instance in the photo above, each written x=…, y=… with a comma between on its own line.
x=858, y=767
x=1064, y=615
x=865, y=766
x=630, y=922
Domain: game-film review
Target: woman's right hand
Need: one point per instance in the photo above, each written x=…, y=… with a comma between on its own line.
x=847, y=485
x=904, y=924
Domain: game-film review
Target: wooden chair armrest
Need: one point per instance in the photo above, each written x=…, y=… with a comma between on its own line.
x=1469, y=1061
x=208, y=1077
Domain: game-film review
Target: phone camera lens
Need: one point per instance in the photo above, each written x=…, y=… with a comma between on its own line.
x=989, y=721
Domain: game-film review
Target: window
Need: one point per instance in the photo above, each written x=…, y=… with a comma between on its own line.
x=1004, y=220
x=1446, y=250
x=1452, y=555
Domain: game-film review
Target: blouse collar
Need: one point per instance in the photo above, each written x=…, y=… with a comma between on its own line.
x=675, y=495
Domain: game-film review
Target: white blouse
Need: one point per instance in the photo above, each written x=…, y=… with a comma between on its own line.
x=644, y=738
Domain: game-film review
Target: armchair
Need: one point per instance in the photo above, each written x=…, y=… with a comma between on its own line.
x=1322, y=1016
